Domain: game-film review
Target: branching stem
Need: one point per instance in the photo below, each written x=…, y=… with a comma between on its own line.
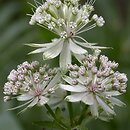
x=82, y=114
x=59, y=122
x=70, y=109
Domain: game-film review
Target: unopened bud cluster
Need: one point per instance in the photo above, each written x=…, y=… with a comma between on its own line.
x=65, y=16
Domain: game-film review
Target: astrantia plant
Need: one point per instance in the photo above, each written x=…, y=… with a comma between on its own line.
x=92, y=85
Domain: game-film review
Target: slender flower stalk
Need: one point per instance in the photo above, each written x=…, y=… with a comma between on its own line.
x=66, y=19
x=60, y=123
x=83, y=115
x=70, y=109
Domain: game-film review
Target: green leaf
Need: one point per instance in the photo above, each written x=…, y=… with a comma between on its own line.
x=58, y=113
x=48, y=124
x=80, y=128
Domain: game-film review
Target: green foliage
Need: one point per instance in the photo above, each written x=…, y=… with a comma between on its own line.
x=48, y=124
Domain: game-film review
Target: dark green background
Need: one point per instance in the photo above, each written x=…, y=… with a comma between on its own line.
x=15, y=31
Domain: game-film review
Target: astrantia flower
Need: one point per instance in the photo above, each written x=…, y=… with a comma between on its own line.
x=96, y=83
x=67, y=19
x=32, y=84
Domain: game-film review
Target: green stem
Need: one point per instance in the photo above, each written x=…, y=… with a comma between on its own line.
x=83, y=114
x=60, y=123
x=70, y=109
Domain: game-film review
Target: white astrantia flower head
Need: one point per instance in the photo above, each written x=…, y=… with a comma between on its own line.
x=31, y=83
x=96, y=83
x=66, y=19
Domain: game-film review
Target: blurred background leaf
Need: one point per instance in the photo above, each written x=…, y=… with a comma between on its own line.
x=15, y=32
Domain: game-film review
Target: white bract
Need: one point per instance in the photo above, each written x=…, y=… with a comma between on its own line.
x=31, y=83
x=95, y=83
x=66, y=19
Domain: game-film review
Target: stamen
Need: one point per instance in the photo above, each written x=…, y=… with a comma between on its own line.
x=81, y=27
x=42, y=1
x=29, y=15
x=91, y=2
x=14, y=108
x=31, y=5
x=80, y=38
x=35, y=3
x=38, y=91
x=47, y=28
x=32, y=10
x=38, y=2
x=87, y=29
